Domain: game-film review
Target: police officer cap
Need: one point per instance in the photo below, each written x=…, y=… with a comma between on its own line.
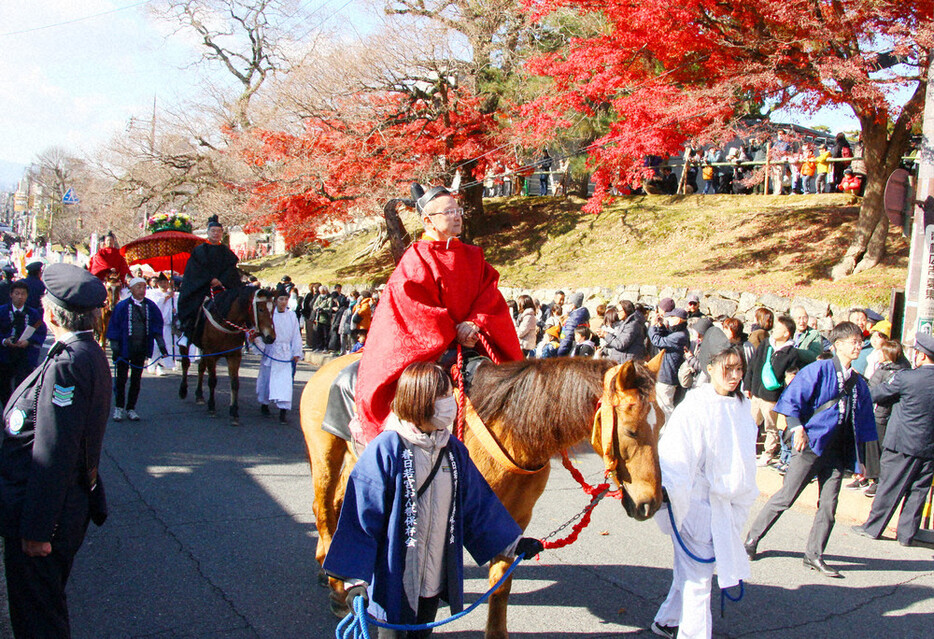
x=73, y=288
x=9, y=270
x=33, y=267
x=925, y=344
x=872, y=316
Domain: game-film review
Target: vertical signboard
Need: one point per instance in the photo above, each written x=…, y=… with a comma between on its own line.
x=926, y=293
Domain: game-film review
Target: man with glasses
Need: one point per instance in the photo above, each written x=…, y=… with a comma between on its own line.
x=442, y=292
x=829, y=412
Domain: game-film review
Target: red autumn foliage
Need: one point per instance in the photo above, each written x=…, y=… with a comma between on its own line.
x=674, y=72
x=352, y=161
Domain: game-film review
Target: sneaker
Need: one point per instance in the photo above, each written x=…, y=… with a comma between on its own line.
x=132, y=415
x=664, y=631
x=857, y=484
x=764, y=460
x=119, y=414
x=871, y=490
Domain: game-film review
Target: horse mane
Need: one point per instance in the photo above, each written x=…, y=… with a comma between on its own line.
x=543, y=401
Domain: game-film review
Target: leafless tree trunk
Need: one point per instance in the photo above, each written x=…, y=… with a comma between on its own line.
x=399, y=238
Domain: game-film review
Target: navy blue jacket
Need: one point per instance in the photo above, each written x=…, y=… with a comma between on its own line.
x=577, y=317
x=370, y=541
x=33, y=317
x=674, y=341
x=910, y=429
x=118, y=327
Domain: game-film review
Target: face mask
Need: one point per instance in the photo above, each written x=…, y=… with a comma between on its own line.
x=445, y=412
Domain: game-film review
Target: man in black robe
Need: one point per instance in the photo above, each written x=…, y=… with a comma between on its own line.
x=211, y=265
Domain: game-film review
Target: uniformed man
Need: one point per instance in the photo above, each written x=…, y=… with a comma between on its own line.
x=5, y=283
x=211, y=265
x=33, y=280
x=53, y=429
x=22, y=333
x=907, y=464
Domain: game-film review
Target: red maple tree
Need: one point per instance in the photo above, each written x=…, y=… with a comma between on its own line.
x=366, y=152
x=676, y=72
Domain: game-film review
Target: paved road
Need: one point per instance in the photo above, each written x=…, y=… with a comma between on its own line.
x=211, y=534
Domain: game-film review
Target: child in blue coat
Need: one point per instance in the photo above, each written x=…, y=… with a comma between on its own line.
x=414, y=501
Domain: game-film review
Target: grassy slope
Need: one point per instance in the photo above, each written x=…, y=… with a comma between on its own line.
x=782, y=245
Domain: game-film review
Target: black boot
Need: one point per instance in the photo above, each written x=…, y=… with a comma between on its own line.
x=282, y=413
x=264, y=409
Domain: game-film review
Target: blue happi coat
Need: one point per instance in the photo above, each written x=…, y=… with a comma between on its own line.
x=371, y=540
x=119, y=327
x=816, y=384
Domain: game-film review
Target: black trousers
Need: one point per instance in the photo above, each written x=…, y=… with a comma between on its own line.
x=804, y=466
x=36, y=585
x=134, y=368
x=427, y=610
x=904, y=480
x=12, y=375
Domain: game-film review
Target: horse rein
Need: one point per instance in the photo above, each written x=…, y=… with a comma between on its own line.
x=236, y=328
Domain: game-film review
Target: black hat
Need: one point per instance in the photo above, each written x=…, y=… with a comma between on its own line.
x=281, y=290
x=162, y=278
x=925, y=344
x=702, y=325
x=212, y=221
x=677, y=312
x=422, y=197
x=73, y=288
x=285, y=278
x=872, y=316
x=110, y=234
x=715, y=342
x=34, y=267
x=9, y=270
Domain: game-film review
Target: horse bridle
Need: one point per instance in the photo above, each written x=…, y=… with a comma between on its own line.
x=236, y=328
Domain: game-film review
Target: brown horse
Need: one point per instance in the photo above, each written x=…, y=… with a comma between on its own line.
x=114, y=285
x=250, y=310
x=534, y=409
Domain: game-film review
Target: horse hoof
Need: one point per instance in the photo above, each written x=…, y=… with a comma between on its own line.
x=183, y=392
x=235, y=422
x=338, y=608
x=199, y=401
x=212, y=413
x=323, y=580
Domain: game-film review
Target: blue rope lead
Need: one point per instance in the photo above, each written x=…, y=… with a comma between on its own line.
x=356, y=628
x=724, y=592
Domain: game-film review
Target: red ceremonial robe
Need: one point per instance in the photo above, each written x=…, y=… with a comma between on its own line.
x=106, y=259
x=436, y=286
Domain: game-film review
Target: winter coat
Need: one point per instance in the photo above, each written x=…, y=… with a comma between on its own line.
x=577, y=317
x=674, y=340
x=625, y=340
x=527, y=329
x=782, y=359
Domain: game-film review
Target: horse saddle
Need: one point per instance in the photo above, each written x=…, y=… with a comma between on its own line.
x=340, y=409
x=217, y=308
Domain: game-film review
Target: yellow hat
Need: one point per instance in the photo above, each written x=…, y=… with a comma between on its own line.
x=554, y=331
x=884, y=327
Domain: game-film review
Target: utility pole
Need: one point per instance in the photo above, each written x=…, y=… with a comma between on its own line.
x=919, y=287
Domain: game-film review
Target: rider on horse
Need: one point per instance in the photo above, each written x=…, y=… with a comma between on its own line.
x=441, y=291
x=211, y=265
x=108, y=260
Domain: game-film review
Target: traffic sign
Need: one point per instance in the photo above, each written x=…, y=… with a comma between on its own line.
x=70, y=197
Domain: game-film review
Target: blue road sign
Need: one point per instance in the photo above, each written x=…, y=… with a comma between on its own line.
x=70, y=197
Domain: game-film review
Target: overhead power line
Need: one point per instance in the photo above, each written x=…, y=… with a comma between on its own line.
x=74, y=20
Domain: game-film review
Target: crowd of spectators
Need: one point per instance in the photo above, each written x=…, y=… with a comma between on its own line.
x=775, y=349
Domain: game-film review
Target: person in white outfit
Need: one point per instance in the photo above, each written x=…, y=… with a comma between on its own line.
x=164, y=297
x=708, y=460
x=277, y=368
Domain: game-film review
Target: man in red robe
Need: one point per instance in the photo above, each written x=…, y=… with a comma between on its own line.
x=442, y=291
x=108, y=260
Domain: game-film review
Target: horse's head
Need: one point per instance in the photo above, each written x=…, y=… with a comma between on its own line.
x=262, y=315
x=626, y=435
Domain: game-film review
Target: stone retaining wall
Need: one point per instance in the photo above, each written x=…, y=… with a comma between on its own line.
x=715, y=303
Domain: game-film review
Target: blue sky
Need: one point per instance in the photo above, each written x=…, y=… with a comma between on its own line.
x=77, y=84
x=73, y=73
